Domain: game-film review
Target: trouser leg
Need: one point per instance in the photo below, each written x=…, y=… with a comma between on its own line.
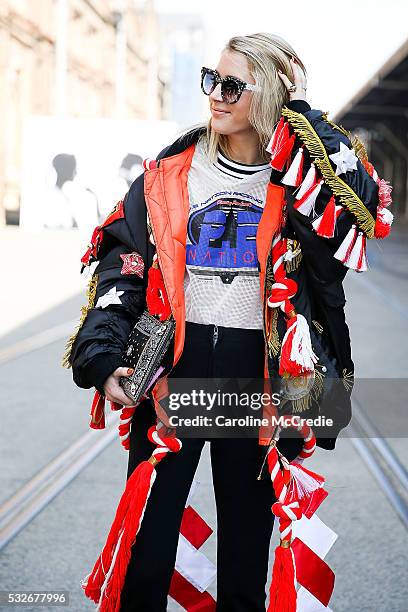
x=153, y=555
x=244, y=525
x=244, y=516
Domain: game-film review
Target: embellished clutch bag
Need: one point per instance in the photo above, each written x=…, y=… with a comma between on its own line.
x=144, y=352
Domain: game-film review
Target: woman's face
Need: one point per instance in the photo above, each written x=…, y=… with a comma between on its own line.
x=233, y=118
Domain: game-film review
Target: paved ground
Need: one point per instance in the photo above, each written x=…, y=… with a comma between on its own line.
x=43, y=412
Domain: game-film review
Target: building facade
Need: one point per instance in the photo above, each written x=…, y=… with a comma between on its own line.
x=78, y=58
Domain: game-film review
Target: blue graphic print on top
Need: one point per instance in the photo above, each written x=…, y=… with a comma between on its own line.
x=222, y=277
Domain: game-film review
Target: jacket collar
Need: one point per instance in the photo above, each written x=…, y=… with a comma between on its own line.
x=182, y=143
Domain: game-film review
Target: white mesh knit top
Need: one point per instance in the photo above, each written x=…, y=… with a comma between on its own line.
x=221, y=280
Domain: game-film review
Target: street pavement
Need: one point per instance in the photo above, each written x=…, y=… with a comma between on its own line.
x=43, y=413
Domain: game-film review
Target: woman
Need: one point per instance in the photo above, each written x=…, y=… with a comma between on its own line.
x=225, y=228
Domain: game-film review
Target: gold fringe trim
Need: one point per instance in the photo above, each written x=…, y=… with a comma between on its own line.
x=317, y=151
x=269, y=275
x=318, y=326
x=274, y=344
x=294, y=263
x=91, y=293
x=304, y=403
x=272, y=336
x=348, y=379
x=358, y=147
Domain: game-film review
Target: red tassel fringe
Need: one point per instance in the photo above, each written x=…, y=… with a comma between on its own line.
x=98, y=412
x=107, y=578
x=282, y=593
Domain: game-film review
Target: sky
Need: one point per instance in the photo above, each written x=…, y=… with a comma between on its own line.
x=342, y=44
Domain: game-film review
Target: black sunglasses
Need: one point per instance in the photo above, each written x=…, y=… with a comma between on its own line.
x=231, y=87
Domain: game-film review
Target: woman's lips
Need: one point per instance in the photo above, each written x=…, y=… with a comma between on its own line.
x=219, y=113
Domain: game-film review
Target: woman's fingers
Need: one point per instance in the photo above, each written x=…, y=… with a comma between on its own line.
x=122, y=372
x=115, y=393
x=298, y=76
x=299, y=80
x=285, y=79
x=113, y=389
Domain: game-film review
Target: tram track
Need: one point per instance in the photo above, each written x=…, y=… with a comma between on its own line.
x=24, y=505
x=37, y=341
x=378, y=456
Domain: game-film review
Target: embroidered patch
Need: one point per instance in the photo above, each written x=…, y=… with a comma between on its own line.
x=111, y=297
x=132, y=264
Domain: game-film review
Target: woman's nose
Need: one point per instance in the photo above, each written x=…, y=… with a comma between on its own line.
x=216, y=94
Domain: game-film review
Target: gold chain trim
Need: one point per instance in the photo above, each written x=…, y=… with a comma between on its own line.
x=356, y=143
x=91, y=293
x=317, y=151
x=334, y=125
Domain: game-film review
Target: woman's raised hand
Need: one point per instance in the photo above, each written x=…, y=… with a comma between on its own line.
x=299, y=79
x=113, y=390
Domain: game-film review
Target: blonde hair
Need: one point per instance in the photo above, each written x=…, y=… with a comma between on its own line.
x=265, y=53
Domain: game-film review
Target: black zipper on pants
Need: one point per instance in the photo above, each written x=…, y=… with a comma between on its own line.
x=214, y=340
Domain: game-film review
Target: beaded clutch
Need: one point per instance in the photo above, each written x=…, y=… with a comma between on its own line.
x=145, y=351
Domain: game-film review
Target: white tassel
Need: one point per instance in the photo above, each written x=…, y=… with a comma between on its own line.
x=307, y=203
x=303, y=482
x=345, y=246
x=364, y=263
x=308, y=181
x=291, y=176
x=357, y=253
x=301, y=351
x=276, y=137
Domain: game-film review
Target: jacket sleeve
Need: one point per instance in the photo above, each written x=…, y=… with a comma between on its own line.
x=335, y=199
x=117, y=291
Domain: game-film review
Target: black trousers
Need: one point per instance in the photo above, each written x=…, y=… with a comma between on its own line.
x=243, y=503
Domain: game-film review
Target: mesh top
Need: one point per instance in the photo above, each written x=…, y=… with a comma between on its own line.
x=221, y=281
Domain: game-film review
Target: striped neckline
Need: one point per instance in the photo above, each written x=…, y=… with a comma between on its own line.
x=237, y=169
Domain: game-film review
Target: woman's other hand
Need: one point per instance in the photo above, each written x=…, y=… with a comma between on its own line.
x=113, y=390
x=299, y=79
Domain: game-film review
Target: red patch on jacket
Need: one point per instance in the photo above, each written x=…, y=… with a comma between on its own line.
x=91, y=253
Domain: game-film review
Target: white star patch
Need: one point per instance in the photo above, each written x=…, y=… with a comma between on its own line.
x=345, y=159
x=111, y=297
